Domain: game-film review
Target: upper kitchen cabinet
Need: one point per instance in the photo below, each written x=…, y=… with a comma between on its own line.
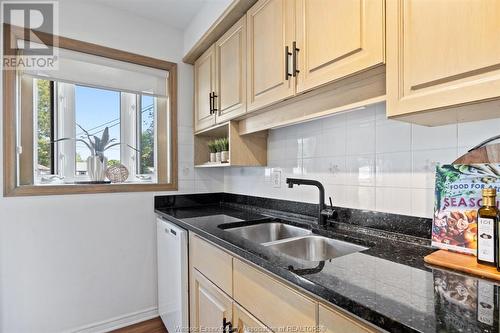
x=220, y=79
x=337, y=38
x=270, y=34
x=442, y=57
x=204, y=88
x=303, y=58
x=230, y=51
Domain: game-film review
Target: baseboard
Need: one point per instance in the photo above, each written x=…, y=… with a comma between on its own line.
x=117, y=322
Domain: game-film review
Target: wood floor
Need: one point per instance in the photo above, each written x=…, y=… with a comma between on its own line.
x=154, y=325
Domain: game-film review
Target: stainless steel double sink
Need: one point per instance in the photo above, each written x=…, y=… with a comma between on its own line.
x=294, y=241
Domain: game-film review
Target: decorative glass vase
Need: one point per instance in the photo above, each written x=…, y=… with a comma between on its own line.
x=224, y=156
x=96, y=168
x=217, y=156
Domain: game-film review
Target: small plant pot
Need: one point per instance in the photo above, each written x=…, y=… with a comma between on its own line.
x=217, y=156
x=212, y=157
x=96, y=168
x=224, y=156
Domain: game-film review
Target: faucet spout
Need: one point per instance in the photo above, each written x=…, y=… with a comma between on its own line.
x=322, y=212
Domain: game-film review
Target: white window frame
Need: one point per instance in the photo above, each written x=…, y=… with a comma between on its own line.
x=64, y=113
x=128, y=131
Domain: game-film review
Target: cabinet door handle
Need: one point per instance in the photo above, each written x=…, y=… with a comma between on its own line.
x=287, y=55
x=229, y=326
x=295, y=51
x=214, y=108
x=210, y=102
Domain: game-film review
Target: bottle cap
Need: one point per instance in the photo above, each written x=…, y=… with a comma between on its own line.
x=489, y=192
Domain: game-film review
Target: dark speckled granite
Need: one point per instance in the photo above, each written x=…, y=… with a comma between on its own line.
x=402, y=224
x=388, y=285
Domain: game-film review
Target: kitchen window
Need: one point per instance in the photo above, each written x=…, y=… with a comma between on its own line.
x=99, y=104
x=129, y=118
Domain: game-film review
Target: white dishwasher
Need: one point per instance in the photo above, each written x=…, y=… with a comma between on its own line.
x=172, y=275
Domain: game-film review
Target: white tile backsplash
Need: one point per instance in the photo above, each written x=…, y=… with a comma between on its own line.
x=360, y=138
x=393, y=200
x=422, y=202
x=191, y=179
x=434, y=137
x=185, y=135
x=363, y=159
x=424, y=165
x=470, y=134
x=393, y=169
x=333, y=141
x=386, y=131
x=360, y=170
x=361, y=197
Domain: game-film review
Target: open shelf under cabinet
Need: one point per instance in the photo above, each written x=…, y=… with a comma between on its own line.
x=244, y=150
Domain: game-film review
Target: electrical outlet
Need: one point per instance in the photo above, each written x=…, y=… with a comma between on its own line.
x=276, y=178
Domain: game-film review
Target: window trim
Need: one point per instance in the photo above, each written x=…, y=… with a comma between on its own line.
x=9, y=121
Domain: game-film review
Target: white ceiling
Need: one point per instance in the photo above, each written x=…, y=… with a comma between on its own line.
x=174, y=13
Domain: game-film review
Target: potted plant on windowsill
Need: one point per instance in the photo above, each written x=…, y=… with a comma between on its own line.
x=224, y=156
x=212, y=148
x=97, y=163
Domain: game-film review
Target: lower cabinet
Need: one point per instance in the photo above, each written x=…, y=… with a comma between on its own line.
x=274, y=303
x=331, y=321
x=244, y=322
x=209, y=305
x=214, y=263
x=257, y=302
x=211, y=308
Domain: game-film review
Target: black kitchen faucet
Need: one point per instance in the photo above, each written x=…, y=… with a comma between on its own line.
x=323, y=212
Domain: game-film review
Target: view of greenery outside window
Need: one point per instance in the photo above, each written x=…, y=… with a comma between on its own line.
x=146, y=145
x=44, y=148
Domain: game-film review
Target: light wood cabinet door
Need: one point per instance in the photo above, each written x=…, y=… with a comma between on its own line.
x=204, y=85
x=209, y=305
x=244, y=322
x=441, y=54
x=337, y=38
x=273, y=303
x=231, y=57
x=212, y=262
x=332, y=321
x=270, y=29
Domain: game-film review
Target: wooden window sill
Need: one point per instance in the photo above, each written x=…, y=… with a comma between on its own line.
x=32, y=190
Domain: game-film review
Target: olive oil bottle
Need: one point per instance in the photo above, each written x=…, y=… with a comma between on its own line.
x=487, y=229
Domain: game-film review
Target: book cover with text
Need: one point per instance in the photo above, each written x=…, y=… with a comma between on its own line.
x=457, y=199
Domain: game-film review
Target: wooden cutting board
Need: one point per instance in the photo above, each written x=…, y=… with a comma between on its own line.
x=486, y=154
x=463, y=263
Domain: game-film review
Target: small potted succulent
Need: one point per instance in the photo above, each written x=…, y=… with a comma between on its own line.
x=218, y=150
x=212, y=147
x=224, y=155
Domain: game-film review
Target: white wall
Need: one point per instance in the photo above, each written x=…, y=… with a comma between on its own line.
x=205, y=17
x=364, y=160
x=69, y=262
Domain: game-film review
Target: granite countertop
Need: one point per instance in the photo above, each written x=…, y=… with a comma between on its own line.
x=387, y=285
